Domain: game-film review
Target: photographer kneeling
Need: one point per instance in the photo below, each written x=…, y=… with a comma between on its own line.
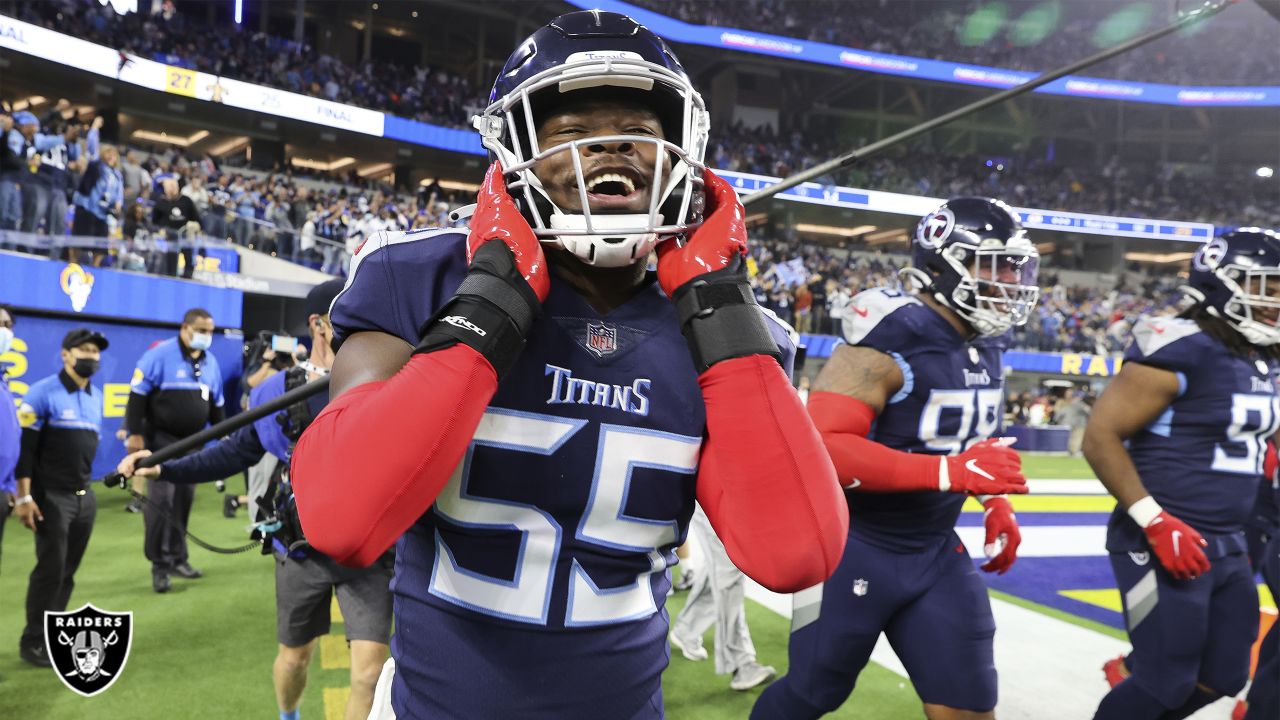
x=305, y=579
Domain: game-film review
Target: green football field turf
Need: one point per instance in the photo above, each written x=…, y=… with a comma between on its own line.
x=1055, y=466
x=204, y=650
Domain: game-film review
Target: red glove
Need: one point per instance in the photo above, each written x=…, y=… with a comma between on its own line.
x=1178, y=546
x=1003, y=538
x=721, y=237
x=497, y=218
x=1270, y=463
x=989, y=468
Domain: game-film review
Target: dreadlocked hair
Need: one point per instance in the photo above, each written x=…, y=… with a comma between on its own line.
x=1221, y=330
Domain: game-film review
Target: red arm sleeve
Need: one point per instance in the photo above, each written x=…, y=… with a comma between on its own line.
x=865, y=464
x=765, y=481
x=375, y=459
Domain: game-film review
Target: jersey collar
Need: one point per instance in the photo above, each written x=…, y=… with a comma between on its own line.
x=70, y=385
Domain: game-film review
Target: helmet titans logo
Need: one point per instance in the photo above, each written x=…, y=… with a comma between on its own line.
x=1210, y=255
x=935, y=228
x=88, y=647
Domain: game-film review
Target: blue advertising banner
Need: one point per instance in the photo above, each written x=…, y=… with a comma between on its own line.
x=36, y=354
x=70, y=288
x=917, y=205
x=420, y=133
x=939, y=70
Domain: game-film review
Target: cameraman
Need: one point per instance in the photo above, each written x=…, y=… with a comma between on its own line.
x=262, y=361
x=305, y=579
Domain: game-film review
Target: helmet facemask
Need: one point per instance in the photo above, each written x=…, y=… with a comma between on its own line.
x=997, y=290
x=508, y=129
x=1254, y=307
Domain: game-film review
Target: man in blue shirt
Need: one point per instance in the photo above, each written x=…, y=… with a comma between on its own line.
x=61, y=418
x=10, y=431
x=176, y=391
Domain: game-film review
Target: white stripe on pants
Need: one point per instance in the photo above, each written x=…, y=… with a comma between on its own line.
x=716, y=598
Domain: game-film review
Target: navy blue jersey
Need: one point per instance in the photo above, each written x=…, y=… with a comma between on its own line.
x=951, y=398
x=565, y=511
x=1201, y=459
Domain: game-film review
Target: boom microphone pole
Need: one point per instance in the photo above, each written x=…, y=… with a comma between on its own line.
x=1208, y=10
x=224, y=428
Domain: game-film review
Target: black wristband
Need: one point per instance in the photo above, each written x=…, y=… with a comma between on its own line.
x=492, y=312
x=720, y=319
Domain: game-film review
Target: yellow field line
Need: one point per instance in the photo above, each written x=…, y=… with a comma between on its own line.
x=334, y=654
x=335, y=703
x=1053, y=503
x=1110, y=598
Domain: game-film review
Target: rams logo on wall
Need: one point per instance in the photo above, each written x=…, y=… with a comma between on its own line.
x=77, y=283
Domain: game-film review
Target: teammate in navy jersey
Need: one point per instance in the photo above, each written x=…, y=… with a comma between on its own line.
x=531, y=419
x=1178, y=438
x=1263, y=536
x=907, y=409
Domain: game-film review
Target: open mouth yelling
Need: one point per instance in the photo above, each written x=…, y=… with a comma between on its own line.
x=615, y=189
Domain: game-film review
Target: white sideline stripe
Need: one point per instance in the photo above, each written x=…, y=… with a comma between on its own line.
x=1044, y=663
x=1060, y=486
x=1045, y=541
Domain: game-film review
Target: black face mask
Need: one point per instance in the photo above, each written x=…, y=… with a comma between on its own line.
x=85, y=367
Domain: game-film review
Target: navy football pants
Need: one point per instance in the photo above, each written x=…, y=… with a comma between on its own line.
x=933, y=608
x=1188, y=632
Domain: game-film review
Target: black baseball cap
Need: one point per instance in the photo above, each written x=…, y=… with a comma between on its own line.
x=318, y=301
x=322, y=295
x=80, y=336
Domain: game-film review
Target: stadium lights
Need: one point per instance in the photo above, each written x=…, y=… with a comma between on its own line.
x=167, y=139
x=1265, y=172
x=451, y=184
x=239, y=11
x=886, y=236
x=26, y=103
x=230, y=146
x=378, y=169
x=834, y=230
x=310, y=164
x=1162, y=258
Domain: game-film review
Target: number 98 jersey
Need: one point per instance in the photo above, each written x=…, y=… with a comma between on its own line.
x=1202, y=458
x=951, y=398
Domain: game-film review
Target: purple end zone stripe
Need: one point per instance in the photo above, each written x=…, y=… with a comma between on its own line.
x=1040, y=579
x=1039, y=519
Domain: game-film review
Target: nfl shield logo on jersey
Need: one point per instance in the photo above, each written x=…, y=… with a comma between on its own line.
x=860, y=587
x=602, y=339
x=88, y=647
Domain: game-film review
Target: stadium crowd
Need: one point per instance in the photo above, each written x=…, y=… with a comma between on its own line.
x=421, y=93
x=438, y=96
x=1029, y=35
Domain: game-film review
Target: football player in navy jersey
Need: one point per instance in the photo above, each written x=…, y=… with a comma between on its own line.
x=907, y=409
x=1178, y=437
x=530, y=414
